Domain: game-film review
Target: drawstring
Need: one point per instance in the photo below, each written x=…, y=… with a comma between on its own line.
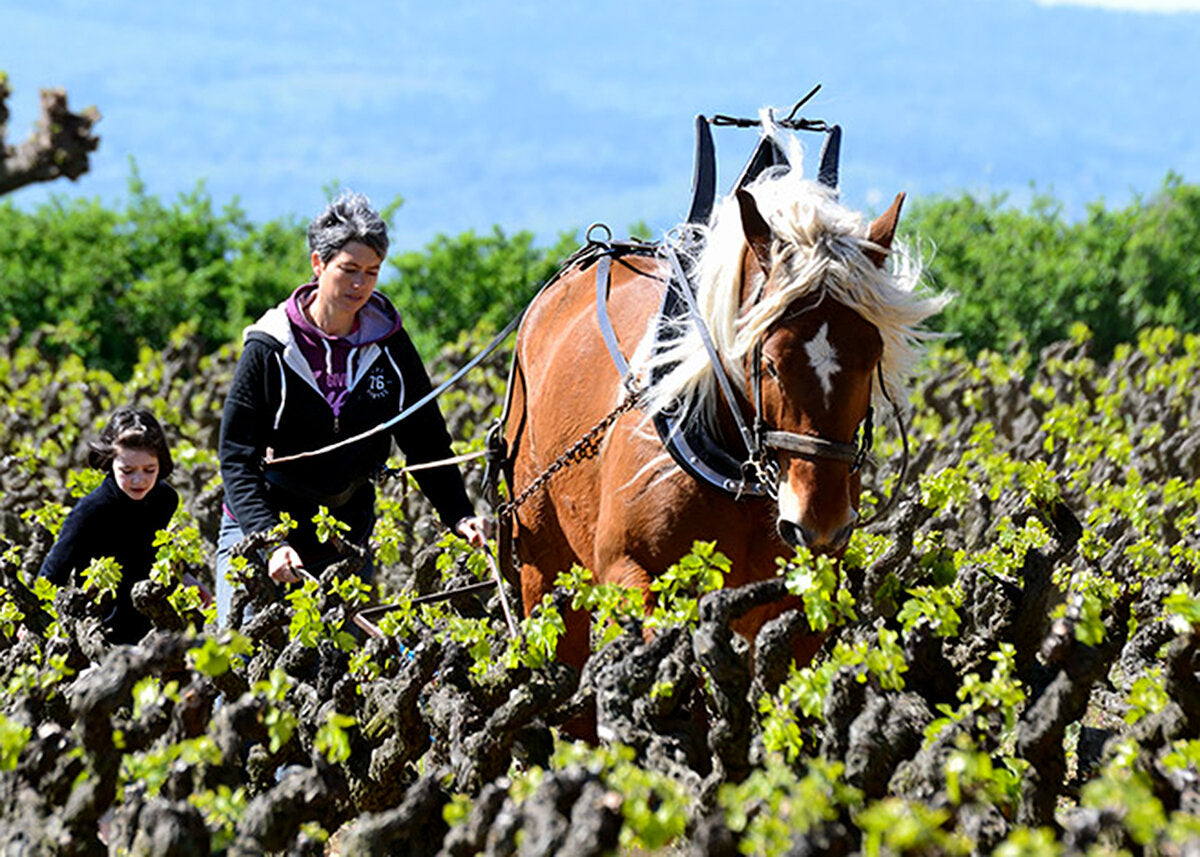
x=282, y=390
x=396, y=369
x=328, y=357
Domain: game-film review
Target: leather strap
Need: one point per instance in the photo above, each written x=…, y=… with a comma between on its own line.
x=810, y=446
x=679, y=281
x=603, y=281
x=704, y=175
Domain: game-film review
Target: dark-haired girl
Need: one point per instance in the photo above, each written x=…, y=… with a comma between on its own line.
x=119, y=518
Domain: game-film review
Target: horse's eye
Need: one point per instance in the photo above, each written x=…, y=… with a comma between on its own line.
x=771, y=370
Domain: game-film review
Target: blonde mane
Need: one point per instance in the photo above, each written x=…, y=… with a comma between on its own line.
x=818, y=247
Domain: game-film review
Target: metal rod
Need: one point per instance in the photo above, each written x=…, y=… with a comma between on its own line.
x=499, y=581
x=381, y=609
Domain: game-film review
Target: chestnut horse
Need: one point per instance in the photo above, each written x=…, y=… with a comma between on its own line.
x=803, y=315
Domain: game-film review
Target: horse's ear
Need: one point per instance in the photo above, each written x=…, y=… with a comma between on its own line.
x=756, y=229
x=883, y=230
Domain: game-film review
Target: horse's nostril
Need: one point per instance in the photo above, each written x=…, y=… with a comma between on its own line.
x=794, y=534
x=798, y=535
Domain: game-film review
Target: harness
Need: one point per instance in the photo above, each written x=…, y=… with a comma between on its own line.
x=685, y=436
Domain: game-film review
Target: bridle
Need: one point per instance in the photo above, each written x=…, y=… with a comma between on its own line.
x=805, y=445
x=760, y=439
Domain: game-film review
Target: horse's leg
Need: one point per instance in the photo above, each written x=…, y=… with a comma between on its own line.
x=544, y=552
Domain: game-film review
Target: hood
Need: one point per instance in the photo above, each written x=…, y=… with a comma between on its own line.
x=377, y=320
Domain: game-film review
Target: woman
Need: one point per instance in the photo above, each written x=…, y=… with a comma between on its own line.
x=329, y=363
x=120, y=518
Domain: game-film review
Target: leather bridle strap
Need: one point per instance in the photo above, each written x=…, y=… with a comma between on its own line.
x=679, y=280
x=810, y=446
x=891, y=501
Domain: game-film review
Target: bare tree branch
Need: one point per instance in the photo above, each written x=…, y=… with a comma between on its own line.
x=58, y=146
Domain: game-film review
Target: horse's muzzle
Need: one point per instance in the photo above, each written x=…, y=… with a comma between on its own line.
x=828, y=542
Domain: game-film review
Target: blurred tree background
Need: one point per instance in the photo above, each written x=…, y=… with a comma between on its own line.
x=1027, y=276
x=104, y=282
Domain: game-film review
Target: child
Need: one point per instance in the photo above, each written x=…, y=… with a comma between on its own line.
x=119, y=518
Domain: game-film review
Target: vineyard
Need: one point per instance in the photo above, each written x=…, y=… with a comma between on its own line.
x=1010, y=667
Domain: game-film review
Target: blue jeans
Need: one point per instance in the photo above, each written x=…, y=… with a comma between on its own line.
x=230, y=534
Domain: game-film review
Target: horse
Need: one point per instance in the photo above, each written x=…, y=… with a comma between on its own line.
x=796, y=326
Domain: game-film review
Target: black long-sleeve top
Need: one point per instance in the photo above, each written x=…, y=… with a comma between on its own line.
x=108, y=523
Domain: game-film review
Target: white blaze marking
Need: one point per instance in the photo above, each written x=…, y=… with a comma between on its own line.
x=789, y=503
x=822, y=356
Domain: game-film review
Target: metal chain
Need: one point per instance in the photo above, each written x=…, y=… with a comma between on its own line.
x=586, y=447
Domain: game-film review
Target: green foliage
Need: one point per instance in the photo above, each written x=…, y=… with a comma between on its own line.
x=773, y=804
x=1127, y=792
x=537, y=642
x=331, y=741
x=50, y=515
x=307, y=625
x=935, y=606
x=1029, y=276
x=804, y=692
x=388, y=536
x=1183, y=610
x=1088, y=442
x=401, y=620
x=972, y=775
x=1146, y=696
x=476, y=635
x=104, y=283
x=895, y=826
x=83, y=482
x=102, y=576
x=13, y=738
x=150, y=691
x=222, y=809
x=214, y=658
x=815, y=579
x=459, y=283
x=609, y=604
x=327, y=526
x=180, y=548
x=454, y=548
x=1029, y=842
x=677, y=591
x=279, y=721
x=1000, y=694
x=352, y=590
x=10, y=615
x=654, y=806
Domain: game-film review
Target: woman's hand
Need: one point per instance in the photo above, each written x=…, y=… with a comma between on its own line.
x=474, y=529
x=283, y=564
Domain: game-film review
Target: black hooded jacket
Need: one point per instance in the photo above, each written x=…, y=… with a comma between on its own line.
x=274, y=404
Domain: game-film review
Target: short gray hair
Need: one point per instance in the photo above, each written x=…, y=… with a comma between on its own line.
x=349, y=217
